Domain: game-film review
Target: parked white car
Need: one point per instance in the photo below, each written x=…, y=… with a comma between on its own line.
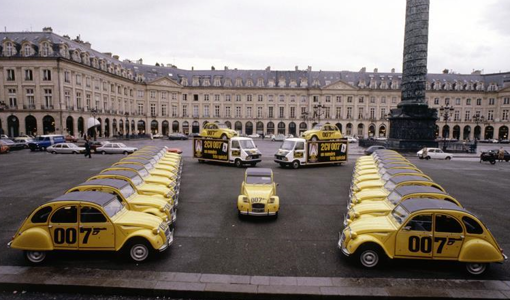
x=351, y=139
x=434, y=153
x=278, y=137
x=115, y=148
x=65, y=148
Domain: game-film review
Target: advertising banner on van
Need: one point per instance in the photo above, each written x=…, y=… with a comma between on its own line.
x=210, y=149
x=327, y=151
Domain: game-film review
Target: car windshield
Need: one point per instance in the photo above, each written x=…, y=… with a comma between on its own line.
x=137, y=180
x=127, y=191
x=247, y=144
x=400, y=214
x=390, y=186
x=317, y=127
x=121, y=145
x=222, y=126
x=288, y=145
x=394, y=197
x=113, y=207
x=258, y=179
x=149, y=166
x=72, y=146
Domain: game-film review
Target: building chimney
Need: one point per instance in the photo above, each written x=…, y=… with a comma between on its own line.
x=47, y=29
x=88, y=45
x=140, y=61
x=268, y=68
x=309, y=69
x=392, y=70
x=297, y=68
x=109, y=54
x=376, y=70
x=66, y=36
x=116, y=57
x=363, y=70
x=168, y=65
x=445, y=71
x=226, y=68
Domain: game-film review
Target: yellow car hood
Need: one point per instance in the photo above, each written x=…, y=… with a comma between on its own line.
x=362, y=178
x=153, y=201
x=260, y=191
x=138, y=219
x=370, y=184
x=157, y=180
x=153, y=188
x=372, y=194
x=376, y=224
x=368, y=207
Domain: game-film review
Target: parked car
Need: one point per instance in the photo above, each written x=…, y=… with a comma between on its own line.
x=23, y=141
x=254, y=135
x=278, y=137
x=435, y=153
x=258, y=194
x=115, y=148
x=492, y=156
x=177, y=136
x=71, y=138
x=371, y=149
x=157, y=136
x=42, y=142
x=96, y=144
x=218, y=131
x=14, y=145
x=322, y=132
x=65, y=148
x=351, y=139
x=4, y=148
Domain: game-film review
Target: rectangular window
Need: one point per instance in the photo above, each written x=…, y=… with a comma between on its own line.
x=338, y=99
x=259, y=112
x=383, y=100
x=248, y=112
x=383, y=113
x=29, y=75
x=292, y=98
x=216, y=111
x=490, y=115
x=206, y=97
x=206, y=111
x=292, y=112
x=46, y=75
x=249, y=98
x=78, y=100
x=447, y=101
x=105, y=86
x=153, y=94
x=184, y=97
x=349, y=99
x=216, y=98
x=467, y=116
x=67, y=99
x=11, y=75
x=30, y=98
x=468, y=101
x=174, y=111
x=303, y=99
x=87, y=82
x=506, y=100
x=48, y=98
x=315, y=98
x=328, y=99
x=140, y=93
x=360, y=113
x=96, y=84
x=238, y=111
x=436, y=101
x=338, y=112
x=327, y=112
x=271, y=113
x=349, y=112
x=227, y=111
x=372, y=113
x=227, y=98
x=361, y=100
x=140, y=108
x=282, y=112
x=195, y=111
x=238, y=98
x=195, y=97
x=504, y=115
x=478, y=101
x=456, y=116
x=260, y=98
x=492, y=101
x=372, y=100
x=153, y=109
x=78, y=79
x=13, y=101
x=394, y=100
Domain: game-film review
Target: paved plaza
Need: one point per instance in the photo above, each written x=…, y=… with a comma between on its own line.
x=211, y=239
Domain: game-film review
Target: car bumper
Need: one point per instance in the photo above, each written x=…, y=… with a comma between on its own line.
x=258, y=214
x=341, y=238
x=169, y=241
x=10, y=243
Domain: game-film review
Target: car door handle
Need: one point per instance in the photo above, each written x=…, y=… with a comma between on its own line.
x=462, y=237
x=50, y=226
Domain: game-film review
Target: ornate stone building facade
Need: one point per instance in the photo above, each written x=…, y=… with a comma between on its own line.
x=51, y=83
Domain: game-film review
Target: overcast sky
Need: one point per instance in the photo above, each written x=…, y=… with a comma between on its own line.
x=330, y=35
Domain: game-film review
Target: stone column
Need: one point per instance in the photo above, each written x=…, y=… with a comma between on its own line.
x=412, y=123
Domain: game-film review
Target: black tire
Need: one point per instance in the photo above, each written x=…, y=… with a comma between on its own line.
x=476, y=269
x=370, y=255
x=224, y=137
x=275, y=216
x=53, y=152
x=253, y=164
x=427, y=158
x=43, y=148
x=125, y=153
x=283, y=165
x=200, y=161
x=240, y=215
x=493, y=162
x=314, y=138
x=103, y=152
x=75, y=152
x=238, y=163
x=138, y=250
x=295, y=164
x=35, y=257
x=420, y=157
x=448, y=158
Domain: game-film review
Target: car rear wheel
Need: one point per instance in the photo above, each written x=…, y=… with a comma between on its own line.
x=103, y=152
x=493, y=162
x=35, y=257
x=139, y=250
x=238, y=163
x=369, y=255
x=75, y=152
x=53, y=152
x=427, y=157
x=295, y=164
x=476, y=268
x=125, y=153
x=448, y=158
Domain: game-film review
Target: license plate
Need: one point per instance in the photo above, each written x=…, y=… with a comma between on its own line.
x=257, y=209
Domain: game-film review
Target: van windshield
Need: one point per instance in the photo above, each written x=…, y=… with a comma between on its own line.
x=247, y=144
x=288, y=145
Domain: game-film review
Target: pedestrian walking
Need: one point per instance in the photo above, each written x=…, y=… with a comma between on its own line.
x=87, y=149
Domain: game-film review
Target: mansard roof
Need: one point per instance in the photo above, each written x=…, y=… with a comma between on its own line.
x=276, y=79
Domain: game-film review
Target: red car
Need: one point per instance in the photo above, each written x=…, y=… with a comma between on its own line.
x=174, y=150
x=71, y=138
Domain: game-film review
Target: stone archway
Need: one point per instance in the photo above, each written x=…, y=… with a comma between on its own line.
x=107, y=127
x=260, y=127
x=238, y=126
x=31, y=125
x=12, y=126
x=456, y=132
x=503, y=133
x=70, y=125
x=371, y=130
x=140, y=127
x=81, y=126
x=466, y=133
x=175, y=126
x=154, y=127
x=165, y=128
x=489, y=133
x=292, y=129
x=281, y=128
x=115, y=129
x=382, y=131
x=302, y=127
x=339, y=126
x=270, y=128
x=228, y=124
x=446, y=132
x=48, y=125
x=348, y=129
x=185, y=127
x=361, y=130
x=249, y=128
x=195, y=127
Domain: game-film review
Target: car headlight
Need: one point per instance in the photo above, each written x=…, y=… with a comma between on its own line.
x=245, y=200
x=168, y=195
x=155, y=231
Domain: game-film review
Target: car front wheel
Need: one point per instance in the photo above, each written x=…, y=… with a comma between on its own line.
x=295, y=164
x=103, y=152
x=448, y=158
x=139, y=251
x=476, y=268
x=238, y=163
x=35, y=257
x=369, y=256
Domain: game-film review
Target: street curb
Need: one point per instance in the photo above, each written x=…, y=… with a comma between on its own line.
x=215, y=286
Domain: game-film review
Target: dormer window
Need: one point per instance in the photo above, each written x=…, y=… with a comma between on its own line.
x=249, y=82
x=184, y=81
x=206, y=81
x=304, y=82
x=271, y=83
x=260, y=82
x=293, y=83
x=45, y=49
x=217, y=81
x=282, y=82
x=196, y=81
x=9, y=49
x=64, y=51
x=239, y=82
x=228, y=82
x=27, y=50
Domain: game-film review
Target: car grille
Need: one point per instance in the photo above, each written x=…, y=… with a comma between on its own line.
x=258, y=205
x=255, y=156
x=280, y=157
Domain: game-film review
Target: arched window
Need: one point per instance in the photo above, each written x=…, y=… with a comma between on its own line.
x=281, y=128
x=302, y=127
x=238, y=127
x=270, y=128
x=456, y=132
x=382, y=131
x=503, y=133
x=249, y=128
x=260, y=127
x=195, y=127
x=361, y=130
x=228, y=124
x=175, y=126
x=292, y=128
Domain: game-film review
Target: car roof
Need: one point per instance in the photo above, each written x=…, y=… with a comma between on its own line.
x=411, y=189
x=96, y=197
x=124, y=173
x=115, y=183
x=417, y=204
x=397, y=171
x=399, y=179
x=259, y=171
x=134, y=159
x=130, y=166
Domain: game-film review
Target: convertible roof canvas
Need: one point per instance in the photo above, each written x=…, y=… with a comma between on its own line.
x=128, y=174
x=413, y=205
x=115, y=183
x=411, y=189
x=96, y=197
x=399, y=179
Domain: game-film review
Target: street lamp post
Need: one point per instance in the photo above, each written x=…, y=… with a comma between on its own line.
x=479, y=119
x=127, y=125
x=445, y=112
